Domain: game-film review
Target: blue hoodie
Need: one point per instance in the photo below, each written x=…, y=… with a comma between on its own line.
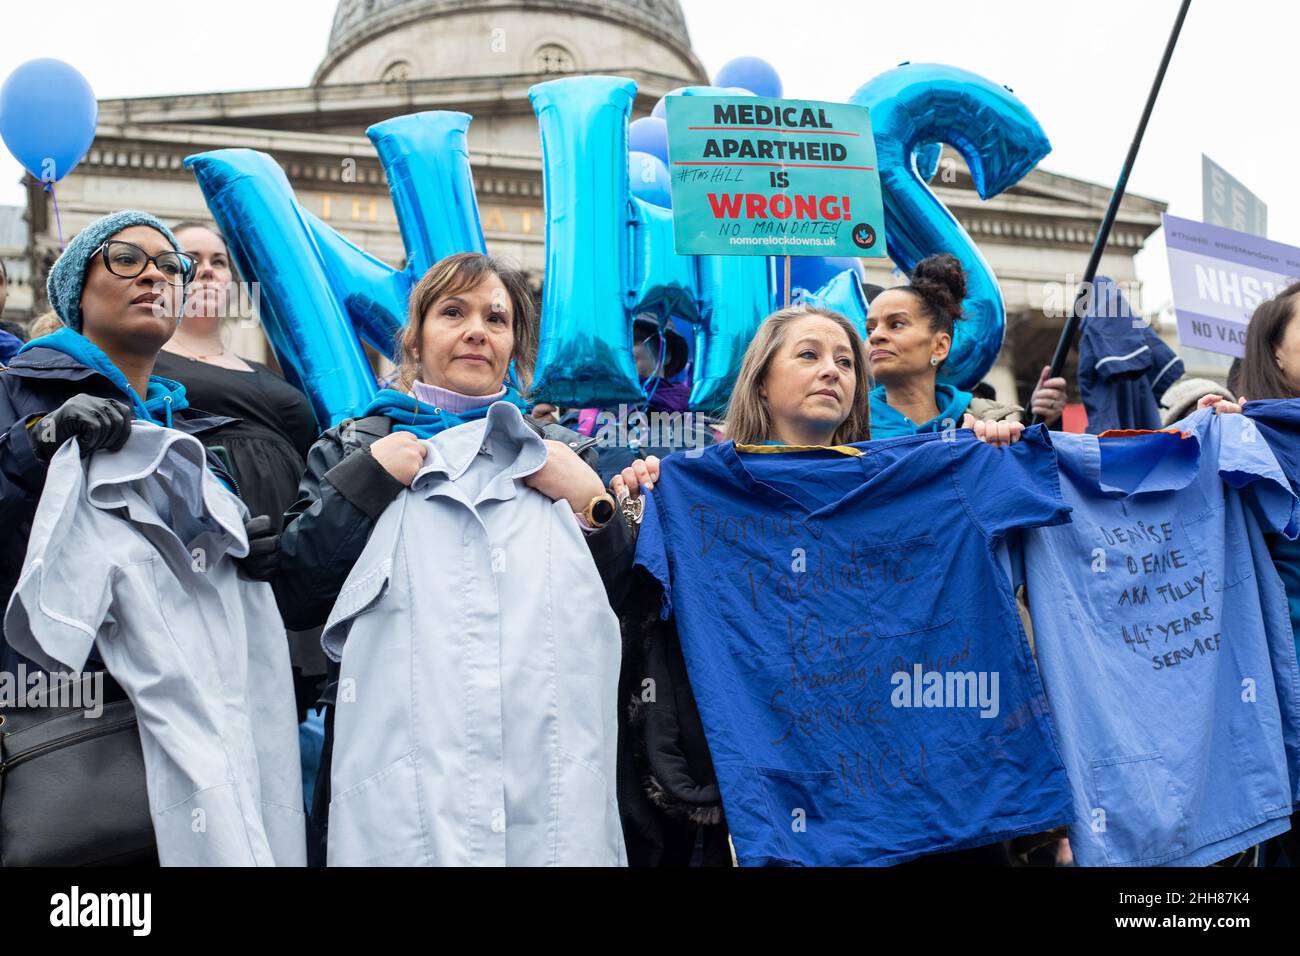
x=164, y=396
x=1278, y=421
x=886, y=422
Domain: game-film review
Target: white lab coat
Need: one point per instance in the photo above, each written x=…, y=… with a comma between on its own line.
x=131, y=552
x=476, y=714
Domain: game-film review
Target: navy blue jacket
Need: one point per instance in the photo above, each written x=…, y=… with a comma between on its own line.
x=34, y=384
x=1124, y=366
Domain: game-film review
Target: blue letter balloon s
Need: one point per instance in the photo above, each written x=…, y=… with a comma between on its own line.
x=913, y=106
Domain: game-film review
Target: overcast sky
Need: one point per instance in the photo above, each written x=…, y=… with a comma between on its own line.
x=1083, y=68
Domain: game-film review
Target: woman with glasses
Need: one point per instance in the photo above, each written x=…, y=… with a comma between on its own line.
x=118, y=287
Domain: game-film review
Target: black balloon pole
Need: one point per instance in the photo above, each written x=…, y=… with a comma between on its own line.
x=1071, y=330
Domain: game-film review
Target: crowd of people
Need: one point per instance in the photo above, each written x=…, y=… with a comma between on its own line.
x=139, y=338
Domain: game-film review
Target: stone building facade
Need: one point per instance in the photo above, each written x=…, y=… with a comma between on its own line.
x=391, y=57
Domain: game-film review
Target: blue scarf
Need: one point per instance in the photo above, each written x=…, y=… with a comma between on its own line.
x=162, y=398
x=425, y=420
x=888, y=422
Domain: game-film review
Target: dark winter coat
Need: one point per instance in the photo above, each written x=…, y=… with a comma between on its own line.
x=34, y=384
x=340, y=498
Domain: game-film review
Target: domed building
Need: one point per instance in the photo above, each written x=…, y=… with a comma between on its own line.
x=402, y=40
x=387, y=58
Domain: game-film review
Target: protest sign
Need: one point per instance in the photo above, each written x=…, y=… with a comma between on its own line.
x=1226, y=202
x=1218, y=278
x=754, y=176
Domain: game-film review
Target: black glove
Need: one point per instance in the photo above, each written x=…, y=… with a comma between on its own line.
x=263, y=558
x=95, y=422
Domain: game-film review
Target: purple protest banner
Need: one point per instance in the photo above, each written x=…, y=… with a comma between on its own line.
x=1218, y=277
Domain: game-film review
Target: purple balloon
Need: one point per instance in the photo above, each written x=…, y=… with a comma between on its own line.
x=750, y=73
x=649, y=134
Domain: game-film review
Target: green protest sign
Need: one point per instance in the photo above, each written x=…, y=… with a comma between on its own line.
x=753, y=176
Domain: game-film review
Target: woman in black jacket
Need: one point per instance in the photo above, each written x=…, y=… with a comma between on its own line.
x=271, y=425
x=470, y=319
x=266, y=446
x=118, y=288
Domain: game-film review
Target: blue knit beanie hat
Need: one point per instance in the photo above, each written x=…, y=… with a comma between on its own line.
x=68, y=274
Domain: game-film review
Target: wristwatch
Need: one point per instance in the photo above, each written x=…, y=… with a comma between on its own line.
x=599, y=511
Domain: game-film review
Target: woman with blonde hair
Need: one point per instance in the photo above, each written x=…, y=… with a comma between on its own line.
x=44, y=324
x=801, y=385
x=802, y=382
x=471, y=318
x=273, y=426
x=802, y=389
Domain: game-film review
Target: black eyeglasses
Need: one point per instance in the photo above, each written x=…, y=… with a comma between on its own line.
x=127, y=260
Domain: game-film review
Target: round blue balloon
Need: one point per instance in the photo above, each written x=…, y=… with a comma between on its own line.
x=750, y=73
x=813, y=272
x=649, y=135
x=660, y=111
x=648, y=177
x=48, y=116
